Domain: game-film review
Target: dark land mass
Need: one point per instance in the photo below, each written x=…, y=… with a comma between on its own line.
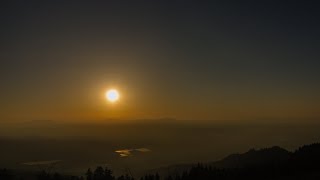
x=267, y=163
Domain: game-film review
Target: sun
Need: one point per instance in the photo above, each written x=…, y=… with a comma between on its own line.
x=112, y=95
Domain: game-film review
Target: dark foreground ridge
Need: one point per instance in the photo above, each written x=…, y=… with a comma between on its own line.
x=270, y=163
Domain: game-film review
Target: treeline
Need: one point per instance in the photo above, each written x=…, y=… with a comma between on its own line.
x=198, y=172
x=6, y=174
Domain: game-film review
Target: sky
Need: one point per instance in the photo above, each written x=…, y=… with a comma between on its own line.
x=195, y=60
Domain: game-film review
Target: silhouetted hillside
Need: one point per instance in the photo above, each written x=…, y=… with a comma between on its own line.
x=308, y=153
x=273, y=155
x=270, y=163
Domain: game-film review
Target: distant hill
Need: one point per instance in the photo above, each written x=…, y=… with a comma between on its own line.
x=305, y=157
x=267, y=156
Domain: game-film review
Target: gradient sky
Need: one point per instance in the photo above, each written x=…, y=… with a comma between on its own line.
x=217, y=60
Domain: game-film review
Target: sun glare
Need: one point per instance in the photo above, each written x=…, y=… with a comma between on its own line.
x=112, y=95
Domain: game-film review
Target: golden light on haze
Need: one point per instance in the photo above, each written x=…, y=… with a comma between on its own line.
x=112, y=95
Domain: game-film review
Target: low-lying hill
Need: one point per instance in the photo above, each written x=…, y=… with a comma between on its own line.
x=306, y=157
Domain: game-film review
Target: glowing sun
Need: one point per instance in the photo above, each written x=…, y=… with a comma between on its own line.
x=112, y=95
